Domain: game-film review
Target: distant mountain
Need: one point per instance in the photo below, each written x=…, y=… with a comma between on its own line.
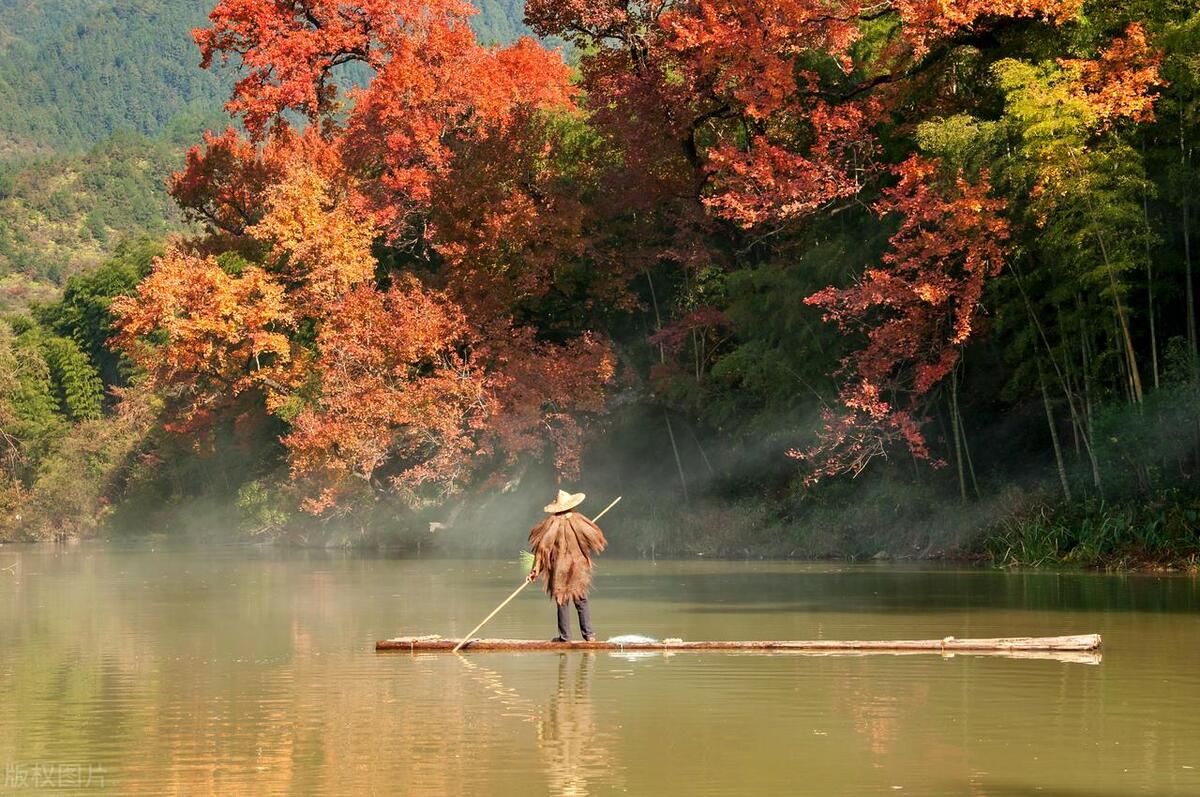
x=499, y=21
x=74, y=71
x=98, y=101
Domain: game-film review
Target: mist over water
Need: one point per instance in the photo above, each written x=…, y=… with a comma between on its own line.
x=246, y=670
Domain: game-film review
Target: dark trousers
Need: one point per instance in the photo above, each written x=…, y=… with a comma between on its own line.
x=564, y=619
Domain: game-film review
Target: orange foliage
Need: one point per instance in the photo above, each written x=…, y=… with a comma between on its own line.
x=772, y=183
x=414, y=228
x=204, y=337
x=739, y=75
x=223, y=182
x=917, y=312
x=412, y=397
x=1117, y=84
x=317, y=242
x=543, y=390
x=433, y=85
x=925, y=21
x=766, y=112
x=395, y=388
x=420, y=380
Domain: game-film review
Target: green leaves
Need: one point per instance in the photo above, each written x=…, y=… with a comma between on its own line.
x=960, y=141
x=76, y=384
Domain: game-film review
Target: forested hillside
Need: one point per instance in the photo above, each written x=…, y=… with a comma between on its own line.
x=62, y=214
x=72, y=72
x=75, y=71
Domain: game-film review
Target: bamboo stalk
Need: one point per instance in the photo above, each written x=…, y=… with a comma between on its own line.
x=516, y=591
x=957, y=430
x=1150, y=278
x=1058, y=457
x=1087, y=438
x=678, y=461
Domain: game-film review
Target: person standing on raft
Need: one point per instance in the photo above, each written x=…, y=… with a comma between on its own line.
x=562, y=546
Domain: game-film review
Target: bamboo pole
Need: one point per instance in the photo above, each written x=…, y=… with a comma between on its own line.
x=517, y=591
x=1058, y=457
x=495, y=611
x=957, y=429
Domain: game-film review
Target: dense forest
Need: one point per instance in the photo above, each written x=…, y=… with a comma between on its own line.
x=81, y=70
x=797, y=278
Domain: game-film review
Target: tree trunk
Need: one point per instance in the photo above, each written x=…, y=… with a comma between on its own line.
x=1185, y=161
x=675, y=450
x=700, y=448
x=967, y=452
x=1150, y=285
x=1041, y=335
x=1087, y=398
x=1135, y=378
x=1071, y=380
x=1086, y=360
x=1123, y=363
x=1058, y=457
x=662, y=354
x=957, y=431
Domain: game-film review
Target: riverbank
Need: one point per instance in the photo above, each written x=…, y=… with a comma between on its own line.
x=1016, y=528
x=1159, y=533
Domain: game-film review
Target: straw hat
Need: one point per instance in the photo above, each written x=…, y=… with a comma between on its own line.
x=564, y=501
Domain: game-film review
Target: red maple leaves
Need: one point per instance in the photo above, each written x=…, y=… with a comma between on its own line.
x=916, y=312
x=433, y=87
x=1118, y=83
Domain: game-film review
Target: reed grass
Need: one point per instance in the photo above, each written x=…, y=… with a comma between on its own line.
x=1163, y=531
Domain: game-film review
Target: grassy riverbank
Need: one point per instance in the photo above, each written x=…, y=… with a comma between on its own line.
x=1160, y=533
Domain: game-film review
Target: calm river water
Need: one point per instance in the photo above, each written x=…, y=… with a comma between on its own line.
x=128, y=670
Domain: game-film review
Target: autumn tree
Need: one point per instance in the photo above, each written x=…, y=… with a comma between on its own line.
x=380, y=279
x=916, y=311
x=205, y=337
x=745, y=121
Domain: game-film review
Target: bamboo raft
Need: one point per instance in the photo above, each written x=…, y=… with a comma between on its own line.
x=946, y=645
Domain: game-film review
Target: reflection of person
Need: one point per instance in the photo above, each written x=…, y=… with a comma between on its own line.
x=574, y=743
x=562, y=547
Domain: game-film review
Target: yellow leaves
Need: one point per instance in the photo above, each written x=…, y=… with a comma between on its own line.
x=935, y=294
x=206, y=334
x=317, y=240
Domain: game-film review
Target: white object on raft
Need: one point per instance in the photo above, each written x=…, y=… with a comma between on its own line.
x=632, y=639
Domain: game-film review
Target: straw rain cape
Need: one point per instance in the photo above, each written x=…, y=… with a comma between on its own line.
x=562, y=547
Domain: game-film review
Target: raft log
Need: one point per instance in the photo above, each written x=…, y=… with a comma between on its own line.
x=1080, y=642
